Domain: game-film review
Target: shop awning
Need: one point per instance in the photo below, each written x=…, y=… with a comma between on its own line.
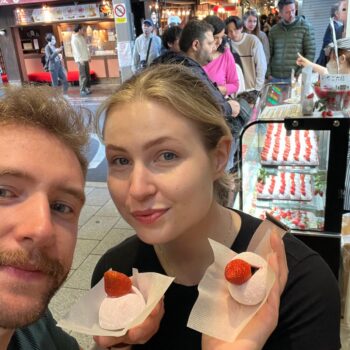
x=22, y=2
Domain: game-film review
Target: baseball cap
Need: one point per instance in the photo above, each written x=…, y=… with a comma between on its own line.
x=342, y=44
x=174, y=20
x=148, y=22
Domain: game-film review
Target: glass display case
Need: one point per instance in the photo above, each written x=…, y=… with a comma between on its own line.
x=293, y=167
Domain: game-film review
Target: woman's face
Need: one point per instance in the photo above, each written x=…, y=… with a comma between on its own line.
x=160, y=174
x=332, y=65
x=218, y=38
x=250, y=23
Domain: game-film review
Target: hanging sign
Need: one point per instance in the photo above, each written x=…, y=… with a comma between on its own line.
x=119, y=11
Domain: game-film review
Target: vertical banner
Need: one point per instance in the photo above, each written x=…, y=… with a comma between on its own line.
x=124, y=27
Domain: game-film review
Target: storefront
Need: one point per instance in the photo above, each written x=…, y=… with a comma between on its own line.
x=33, y=23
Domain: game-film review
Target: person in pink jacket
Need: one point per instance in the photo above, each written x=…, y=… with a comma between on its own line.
x=222, y=69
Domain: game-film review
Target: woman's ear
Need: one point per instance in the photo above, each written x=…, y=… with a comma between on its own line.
x=342, y=58
x=221, y=155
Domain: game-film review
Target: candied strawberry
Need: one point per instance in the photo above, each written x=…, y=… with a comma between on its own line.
x=238, y=271
x=116, y=283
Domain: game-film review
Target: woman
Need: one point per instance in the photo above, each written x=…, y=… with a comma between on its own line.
x=166, y=146
x=222, y=69
x=252, y=26
x=250, y=51
x=331, y=67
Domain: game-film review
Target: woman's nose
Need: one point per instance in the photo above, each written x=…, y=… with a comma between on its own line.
x=142, y=182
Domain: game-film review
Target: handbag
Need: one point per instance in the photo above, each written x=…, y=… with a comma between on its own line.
x=144, y=63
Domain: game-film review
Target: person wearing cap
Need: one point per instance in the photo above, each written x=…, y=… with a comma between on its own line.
x=339, y=16
x=291, y=35
x=331, y=68
x=147, y=47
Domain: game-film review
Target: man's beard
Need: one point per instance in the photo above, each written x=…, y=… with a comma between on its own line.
x=14, y=316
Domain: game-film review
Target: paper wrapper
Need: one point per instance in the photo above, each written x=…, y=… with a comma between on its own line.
x=215, y=312
x=83, y=316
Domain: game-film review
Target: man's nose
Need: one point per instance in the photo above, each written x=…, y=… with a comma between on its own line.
x=35, y=220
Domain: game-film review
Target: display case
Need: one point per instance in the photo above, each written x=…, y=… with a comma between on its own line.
x=293, y=167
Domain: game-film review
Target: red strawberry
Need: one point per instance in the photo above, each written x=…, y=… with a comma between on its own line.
x=310, y=95
x=324, y=114
x=116, y=283
x=238, y=271
x=329, y=113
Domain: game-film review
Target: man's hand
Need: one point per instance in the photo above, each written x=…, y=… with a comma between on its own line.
x=235, y=108
x=137, y=335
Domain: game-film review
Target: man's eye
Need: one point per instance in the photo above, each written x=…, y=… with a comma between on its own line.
x=120, y=161
x=62, y=208
x=4, y=193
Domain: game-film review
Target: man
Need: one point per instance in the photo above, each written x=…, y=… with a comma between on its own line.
x=339, y=16
x=250, y=51
x=197, y=45
x=81, y=56
x=42, y=175
x=171, y=38
x=54, y=59
x=147, y=47
x=291, y=35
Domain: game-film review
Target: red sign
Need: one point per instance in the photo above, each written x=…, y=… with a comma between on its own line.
x=21, y=2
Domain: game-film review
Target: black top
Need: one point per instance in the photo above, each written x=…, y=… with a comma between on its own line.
x=310, y=303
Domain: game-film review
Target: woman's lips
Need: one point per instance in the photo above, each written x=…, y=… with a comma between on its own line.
x=148, y=216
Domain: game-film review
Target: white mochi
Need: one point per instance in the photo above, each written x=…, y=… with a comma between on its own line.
x=253, y=291
x=117, y=313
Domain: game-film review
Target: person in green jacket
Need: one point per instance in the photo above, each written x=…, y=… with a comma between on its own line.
x=291, y=35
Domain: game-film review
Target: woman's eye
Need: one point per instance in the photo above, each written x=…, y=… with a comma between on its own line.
x=168, y=156
x=62, y=208
x=4, y=193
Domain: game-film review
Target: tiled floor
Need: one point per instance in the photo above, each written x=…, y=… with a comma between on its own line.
x=100, y=227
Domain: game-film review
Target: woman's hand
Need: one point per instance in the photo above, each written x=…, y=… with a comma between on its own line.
x=137, y=335
x=302, y=61
x=260, y=327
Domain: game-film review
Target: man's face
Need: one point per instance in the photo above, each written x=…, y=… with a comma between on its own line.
x=147, y=29
x=233, y=33
x=41, y=195
x=204, y=50
x=288, y=13
x=343, y=11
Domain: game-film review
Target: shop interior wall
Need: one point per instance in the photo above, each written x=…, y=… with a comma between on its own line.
x=8, y=45
x=318, y=13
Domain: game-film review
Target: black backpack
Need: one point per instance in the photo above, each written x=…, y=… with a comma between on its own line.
x=44, y=62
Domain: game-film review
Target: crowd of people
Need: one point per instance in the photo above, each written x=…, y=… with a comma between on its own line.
x=169, y=150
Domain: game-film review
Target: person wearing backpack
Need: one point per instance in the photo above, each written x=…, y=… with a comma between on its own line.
x=54, y=64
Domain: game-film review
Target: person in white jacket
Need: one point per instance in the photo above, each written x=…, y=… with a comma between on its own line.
x=81, y=56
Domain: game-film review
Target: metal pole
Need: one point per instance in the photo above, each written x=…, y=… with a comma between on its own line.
x=124, y=27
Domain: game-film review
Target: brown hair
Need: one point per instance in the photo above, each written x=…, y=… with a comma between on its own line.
x=253, y=13
x=176, y=87
x=45, y=108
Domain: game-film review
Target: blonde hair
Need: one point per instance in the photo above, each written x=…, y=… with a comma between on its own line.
x=45, y=108
x=176, y=87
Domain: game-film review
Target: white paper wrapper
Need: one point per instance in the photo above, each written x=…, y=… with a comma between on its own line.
x=83, y=316
x=215, y=312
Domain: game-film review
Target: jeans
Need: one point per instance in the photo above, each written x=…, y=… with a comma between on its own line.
x=84, y=76
x=59, y=73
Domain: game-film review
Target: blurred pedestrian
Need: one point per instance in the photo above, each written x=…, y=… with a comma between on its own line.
x=252, y=26
x=81, y=56
x=54, y=58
